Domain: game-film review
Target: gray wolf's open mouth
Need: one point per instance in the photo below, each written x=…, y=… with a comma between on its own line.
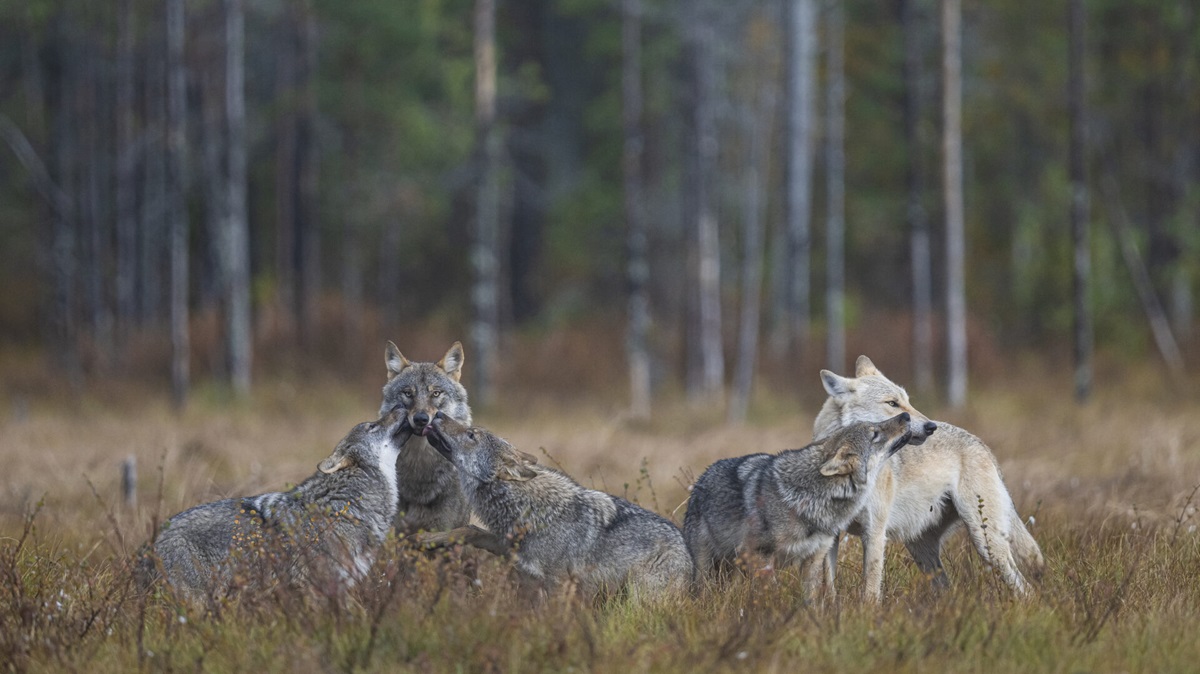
x=900, y=442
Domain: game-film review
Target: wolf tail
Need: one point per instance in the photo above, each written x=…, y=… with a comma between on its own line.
x=1025, y=549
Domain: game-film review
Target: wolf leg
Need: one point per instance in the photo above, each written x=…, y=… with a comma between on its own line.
x=985, y=507
x=468, y=535
x=926, y=548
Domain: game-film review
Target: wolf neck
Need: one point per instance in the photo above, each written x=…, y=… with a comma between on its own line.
x=349, y=486
x=829, y=419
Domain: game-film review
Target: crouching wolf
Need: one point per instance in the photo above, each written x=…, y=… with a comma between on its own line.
x=558, y=530
x=430, y=498
x=789, y=505
x=928, y=491
x=322, y=533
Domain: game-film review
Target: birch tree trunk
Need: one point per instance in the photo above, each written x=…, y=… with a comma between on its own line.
x=757, y=123
x=237, y=234
x=176, y=212
x=485, y=254
x=635, y=220
x=801, y=37
x=918, y=220
x=1080, y=227
x=835, y=181
x=956, y=309
x=707, y=382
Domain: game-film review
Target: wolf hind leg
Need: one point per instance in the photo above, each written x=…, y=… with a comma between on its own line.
x=985, y=507
x=926, y=548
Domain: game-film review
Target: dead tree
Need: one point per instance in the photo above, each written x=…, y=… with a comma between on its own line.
x=485, y=257
x=835, y=181
x=176, y=211
x=1080, y=227
x=635, y=220
x=956, y=305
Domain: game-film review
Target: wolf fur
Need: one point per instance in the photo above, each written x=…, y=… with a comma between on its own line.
x=430, y=498
x=928, y=491
x=789, y=505
x=558, y=530
x=326, y=530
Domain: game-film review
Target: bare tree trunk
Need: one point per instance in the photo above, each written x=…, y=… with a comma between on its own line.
x=918, y=221
x=707, y=382
x=956, y=305
x=91, y=212
x=835, y=180
x=800, y=28
x=153, y=237
x=286, y=174
x=758, y=125
x=639, y=268
x=126, y=157
x=486, y=244
x=64, y=238
x=176, y=142
x=1080, y=227
x=307, y=232
x=1160, y=326
x=237, y=234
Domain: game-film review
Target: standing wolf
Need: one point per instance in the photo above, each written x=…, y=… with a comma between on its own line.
x=325, y=530
x=925, y=493
x=557, y=529
x=789, y=505
x=429, y=494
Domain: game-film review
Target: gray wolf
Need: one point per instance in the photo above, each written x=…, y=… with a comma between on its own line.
x=323, y=532
x=430, y=498
x=789, y=505
x=923, y=494
x=557, y=530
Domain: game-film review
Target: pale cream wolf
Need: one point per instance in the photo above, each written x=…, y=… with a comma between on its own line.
x=790, y=505
x=924, y=493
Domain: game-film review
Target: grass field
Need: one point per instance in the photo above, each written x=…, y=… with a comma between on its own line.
x=1111, y=486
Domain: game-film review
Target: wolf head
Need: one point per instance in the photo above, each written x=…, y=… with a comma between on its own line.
x=374, y=443
x=859, y=450
x=424, y=389
x=869, y=397
x=480, y=453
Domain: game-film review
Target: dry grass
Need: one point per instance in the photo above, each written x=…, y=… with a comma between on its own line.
x=1112, y=485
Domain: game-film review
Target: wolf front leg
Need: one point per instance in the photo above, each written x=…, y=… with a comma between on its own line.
x=469, y=535
x=875, y=540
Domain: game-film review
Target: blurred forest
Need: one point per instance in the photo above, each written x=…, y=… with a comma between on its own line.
x=704, y=189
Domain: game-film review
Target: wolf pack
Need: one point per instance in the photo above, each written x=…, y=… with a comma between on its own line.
x=877, y=469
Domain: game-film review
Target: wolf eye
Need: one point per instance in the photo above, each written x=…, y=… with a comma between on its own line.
x=407, y=393
x=435, y=394
x=893, y=403
x=471, y=435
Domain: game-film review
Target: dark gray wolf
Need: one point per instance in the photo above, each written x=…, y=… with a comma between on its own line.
x=926, y=492
x=430, y=498
x=558, y=530
x=789, y=505
x=324, y=531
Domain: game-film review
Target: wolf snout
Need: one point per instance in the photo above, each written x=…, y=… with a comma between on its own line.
x=420, y=423
x=930, y=427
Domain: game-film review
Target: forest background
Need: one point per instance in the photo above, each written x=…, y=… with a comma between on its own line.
x=248, y=188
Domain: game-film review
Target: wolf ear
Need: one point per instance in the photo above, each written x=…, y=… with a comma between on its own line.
x=836, y=385
x=843, y=462
x=515, y=466
x=452, y=362
x=863, y=367
x=335, y=462
x=395, y=361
